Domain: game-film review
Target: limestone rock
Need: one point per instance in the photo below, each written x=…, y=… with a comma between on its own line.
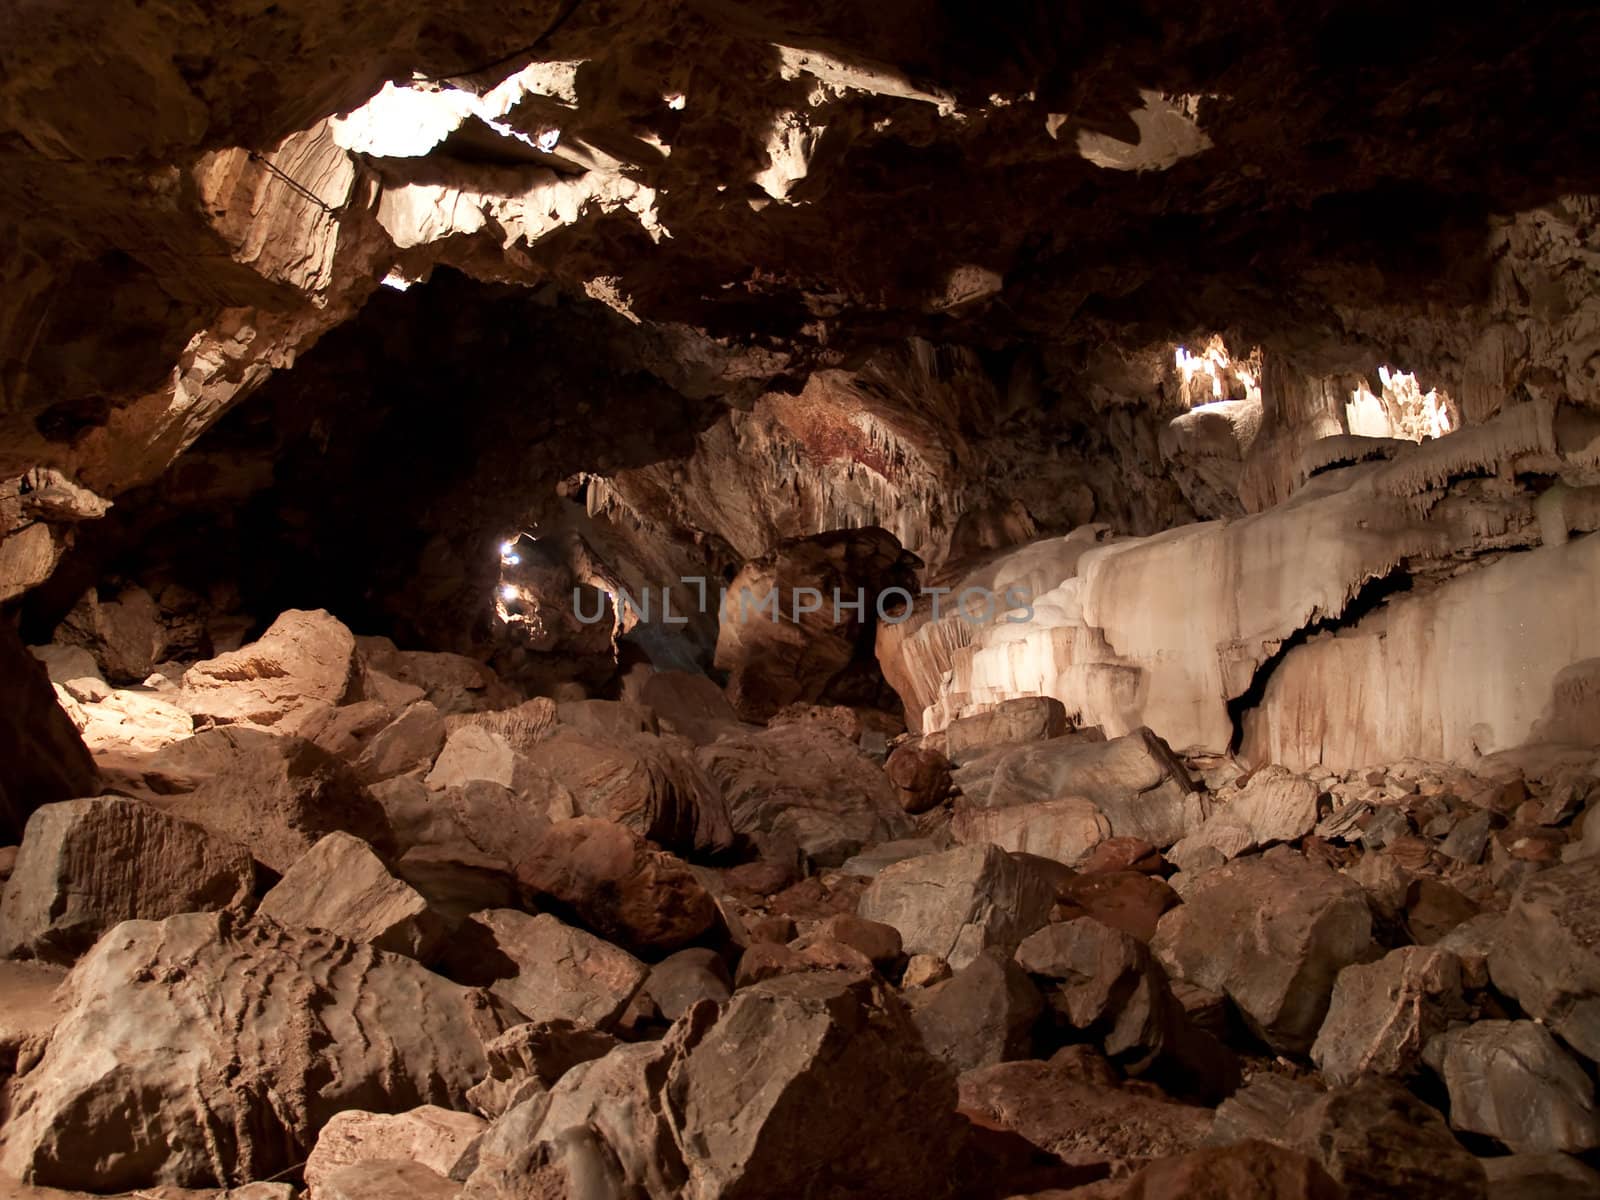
x=806, y=1061
x=342, y=886
x=548, y=970
x=615, y=883
x=1025, y=719
x=1136, y=782
x=471, y=754
x=1125, y=900
x=1510, y=1080
x=275, y=795
x=1084, y=1121
x=1383, y=1013
x=42, y=758
x=303, y=659
x=452, y=683
x=1276, y=805
x=527, y=1060
x=689, y=704
x=1273, y=933
x=28, y=1012
x=86, y=865
x=381, y=1179
x=1067, y=830
x=413, y=739
x=680, y=981
x=983, y=1014
x=921, y=776
x=432, y=1137
x=1242, y=1171
x=1547, y=953
x=807, y=782
x=1548, y=1176
x=126, y=636
x=953, y=905
x=1373, y=1137
x=198, y=1051
x=651, y=785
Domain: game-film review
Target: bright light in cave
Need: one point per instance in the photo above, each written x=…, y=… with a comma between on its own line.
x=1403, y=410
x=1218, y=366
x=507, y=592
x=408, y=121
x=675, y=100
x=397, y=281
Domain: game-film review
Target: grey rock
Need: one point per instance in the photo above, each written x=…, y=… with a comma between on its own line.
x=1510, y=1080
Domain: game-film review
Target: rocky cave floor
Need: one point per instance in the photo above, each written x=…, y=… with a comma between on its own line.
x=362, y=921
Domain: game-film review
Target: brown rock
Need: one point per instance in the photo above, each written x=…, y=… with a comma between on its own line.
x=1083, y=1122
x=28, y=1012
x=528, y=1060
x=1383, y=1013
x=275, y=795
x=304, y=659
x=86, y=865
x=808, y=783
x=1512, y=1081
x=613, y=882
x=924, y=970
x=1243, y=1171
x=432, y=1137
x=1123, y=900
x=202, y=1016
x=1123, y=854
x=921, y=776
x=452, y=683
x=1009, y=723
x=680, y=981
x=772, y=930
x=342, y=886
x=1547, y=955
x=954, y=904
x=879, y=942
x=548, y=970
x=1433, y=909
x=651, y=785
x=984, y=1014
x=382, y=1179
x=1273, y=933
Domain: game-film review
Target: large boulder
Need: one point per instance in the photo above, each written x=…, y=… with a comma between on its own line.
x=812, y=1084
x=1546, y=953
x=276, y=795
x=954, y=904
x=1511, y=1080
x=1083, y=1117
x=615, y=883
x=199, y=1052
x=304, y=660
x=1062, y=797
x=1009, y=723
x=1242, y=1171
x=86, y=865
x=1275, y=805
x=809, y=783
x=433, y=1137
x=548, y=970
x=1373, y=1136
x=984, y=1014
x=340, y=885
x=1273, y=933
x=652, y=785
x=452, y=683
x=1382, y=1014
x=42, y=757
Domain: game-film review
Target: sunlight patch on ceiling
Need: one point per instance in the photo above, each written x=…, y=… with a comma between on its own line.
x=409, y=120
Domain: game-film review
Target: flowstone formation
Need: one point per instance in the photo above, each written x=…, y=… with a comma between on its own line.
x=714, y=601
